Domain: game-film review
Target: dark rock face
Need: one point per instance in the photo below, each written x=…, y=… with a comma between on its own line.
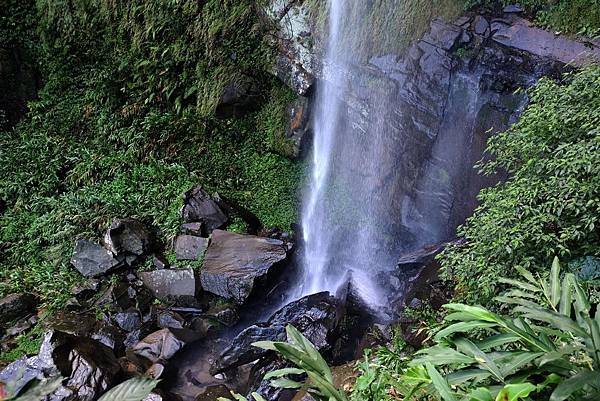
x=238, y=98
x=158, y=347
x=316, y=316
x=189, y=247
x=231, y=207
x=92, y=260
x=198, y=206
x=90, y=367
x=172, y=285
x=234, y=262
x=128, y=237
x=16, y=306
x=299, y=129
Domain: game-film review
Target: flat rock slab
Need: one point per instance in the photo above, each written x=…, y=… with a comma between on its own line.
x=234, y=262
x=177, y=285
x=16, y=306
x=520, y=34
x=91, y=259
x=189, y=247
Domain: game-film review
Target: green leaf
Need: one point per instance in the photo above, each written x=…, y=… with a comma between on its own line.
x=555, y=282
x=516, y=360
x=480, y=394
x=477, y=312
x=464, y=375
x=497, y=341
x=565, y=389
x=566, y=298
x=284, y=372
x=515, y=392
x=559, y=321
x=258, y=397
x=440, y=355
x=266, y=345
x=462, y=327
x=135, y=389
x=440, y=384
x=286, y=383
x=482, y=358
x=41, y=389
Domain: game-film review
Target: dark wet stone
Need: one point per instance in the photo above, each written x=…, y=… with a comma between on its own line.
x=172, y=285
x=128, y=236
x=86, y=290
x=214, y=392
x=233, y=263
x=316, y=316
x=513, y=8
x=198, y=206
x=110, y=336
x=481, y=26
x=224, y=314
x=168, y=319
x=16, y=306
x=238, y=98
x=21, y=372
x=231, y=207
x=189, y=247
x=128, y=321
x=72, y=323
x=160, y=262
x=89, y=366
x=92, y=260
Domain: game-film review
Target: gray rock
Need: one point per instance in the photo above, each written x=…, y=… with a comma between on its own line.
x=21, y=372
x=234, y=262
x=198, y=206
x=159, y=346
x=92, y=260
x=513, y=8
x=188, y=247
x=168, y=319
x=521, y=34
x=481, y=26
x=129, y=237
x=16, y=306
x=171, y=285
x=89, y=366
x=195, y=228
x=316, y=316
x=128, y=321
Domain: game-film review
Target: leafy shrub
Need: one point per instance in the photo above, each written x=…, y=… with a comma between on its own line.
x=552, y=200
x=549, y=351
x=570, y=16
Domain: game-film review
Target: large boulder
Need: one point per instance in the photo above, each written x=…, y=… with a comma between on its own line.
x=92, y=260
x=16, y=306
x=234, y=263
x=316, y=316
x=198, y=206
x=89, y=366
x=128, y=237
x=172, y=285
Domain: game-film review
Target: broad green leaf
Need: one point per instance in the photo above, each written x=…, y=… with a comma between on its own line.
x=464, y=375
x=520, y=284
x=135, y=389
x=516, y=360
x=283, y=372
x=517, y=301
x=286, y=383
x=559, y=321
x=566, y=298
x=515, y=392
x=440, y=384
x=565, y=389
x=482, y=358
x=326, y=387
x=497, y=341
x=527, y=274
x=480, y=394
x=266, y=345
x=41, y=389
x=440, y=355
x=258, y=397
x=310, y=349
x=476, y=311
x=582, y=305
x=463, y=327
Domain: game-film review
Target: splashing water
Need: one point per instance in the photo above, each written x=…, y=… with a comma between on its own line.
x=345, y=222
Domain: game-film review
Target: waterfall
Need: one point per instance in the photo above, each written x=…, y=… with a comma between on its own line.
x=346, y=232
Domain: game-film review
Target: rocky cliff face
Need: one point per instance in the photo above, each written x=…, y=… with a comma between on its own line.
x=438, y=102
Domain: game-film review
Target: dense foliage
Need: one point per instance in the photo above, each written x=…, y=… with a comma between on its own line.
x=551, y=203
x=570, y=16
x=124, y=125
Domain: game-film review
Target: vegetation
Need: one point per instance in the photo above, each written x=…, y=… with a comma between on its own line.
x=570, y=16
x=125, y=124
x=551, y=202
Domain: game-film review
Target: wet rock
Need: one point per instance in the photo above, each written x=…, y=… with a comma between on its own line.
x=110, y=336
x=92, y=260
x=224, y=314
x=481, y=26
x=316, y=316
x=86, y=290
x=21, y=372
x=128, y=321
x=513, y=8
x=160, y=262
x=214, y=393
x=188, y=247
x=158, y=347
x=16, y=306
x=232, y=207
x=234, y=263
x=172, y=285
x=160, y=395
x=520, y=34
x=72, y=323
x=238, y=98
x=198, y=206
x=168, y=319
x=298, y=130
x=442, y=35
x=128, y=237
x=89, y=366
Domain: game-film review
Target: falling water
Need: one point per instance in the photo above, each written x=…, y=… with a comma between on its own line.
x=346, y=230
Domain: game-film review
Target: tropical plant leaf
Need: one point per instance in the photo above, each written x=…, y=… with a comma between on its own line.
x=482, y=358
x=497, y=340
x=286, y=383
x=555, y=282
x=477, y=312
x=284, y=372
x=556, y=319
x=41, y=389
x=440, y=384
x=463, y=327
x=480, y=394
x=135, y=389
x=515, y=392
x=440, y=355
x=573, y=384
